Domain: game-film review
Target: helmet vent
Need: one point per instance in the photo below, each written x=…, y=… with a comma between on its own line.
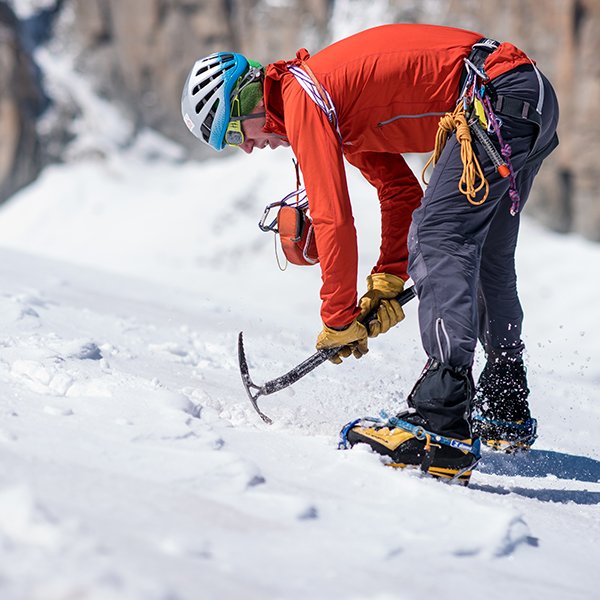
x=208, y=96
x=206, y=126
x=225, y=58
x=203, y=70
x=205, y=82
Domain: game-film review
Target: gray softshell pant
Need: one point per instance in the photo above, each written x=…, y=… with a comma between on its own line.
x=461, y=256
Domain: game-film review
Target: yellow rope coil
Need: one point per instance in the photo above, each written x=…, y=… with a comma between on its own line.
x=456, y=121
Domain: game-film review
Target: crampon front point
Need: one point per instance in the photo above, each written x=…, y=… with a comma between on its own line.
x=505, y=436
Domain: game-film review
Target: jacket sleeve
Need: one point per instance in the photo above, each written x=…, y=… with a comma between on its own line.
x=399, y=195
x=319, y=155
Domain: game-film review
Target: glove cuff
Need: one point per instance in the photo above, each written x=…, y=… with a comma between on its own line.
x=330, y=337
x=354, y=327
x=386, y=283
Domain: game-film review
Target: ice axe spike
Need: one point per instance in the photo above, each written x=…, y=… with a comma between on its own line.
x=312, y=362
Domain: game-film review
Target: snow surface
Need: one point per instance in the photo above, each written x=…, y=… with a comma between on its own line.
x=133, y=466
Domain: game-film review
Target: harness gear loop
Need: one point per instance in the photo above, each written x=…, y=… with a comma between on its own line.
x=472, y=180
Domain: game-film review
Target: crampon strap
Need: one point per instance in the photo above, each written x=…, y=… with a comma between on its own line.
x=419, y=432
x=527, y=426
x=524, y=432
x=343, y=443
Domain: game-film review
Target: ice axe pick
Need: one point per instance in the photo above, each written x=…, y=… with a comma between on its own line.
x=312, y=362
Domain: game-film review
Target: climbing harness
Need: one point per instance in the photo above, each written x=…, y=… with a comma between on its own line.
x=474, y=116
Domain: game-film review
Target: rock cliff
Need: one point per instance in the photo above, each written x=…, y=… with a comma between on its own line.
x=139, y=51
x=563, y=37
x=20, y=101
x=137, y=54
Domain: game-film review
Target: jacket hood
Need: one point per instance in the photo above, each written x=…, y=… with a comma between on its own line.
x=274, y=74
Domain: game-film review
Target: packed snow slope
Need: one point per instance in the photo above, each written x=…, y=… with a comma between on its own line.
x=132, y=465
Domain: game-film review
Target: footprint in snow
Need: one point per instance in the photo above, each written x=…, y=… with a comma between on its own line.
x=54, y=376
x=58, y=411
x=88, y=351
x=6, y=437
x=14, y=311
x=24, y=522
x=190, y=548
x=308, y=514
x=46, y=380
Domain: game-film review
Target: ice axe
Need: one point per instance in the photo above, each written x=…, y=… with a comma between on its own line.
x=318, y=358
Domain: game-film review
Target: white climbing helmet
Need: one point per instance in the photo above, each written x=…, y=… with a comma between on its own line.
x=208, y=91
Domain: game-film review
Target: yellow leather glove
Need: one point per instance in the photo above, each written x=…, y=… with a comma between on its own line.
x=353, y=338
x=381, y=289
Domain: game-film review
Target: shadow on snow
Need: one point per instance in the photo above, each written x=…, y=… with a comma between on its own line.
x=542, y=463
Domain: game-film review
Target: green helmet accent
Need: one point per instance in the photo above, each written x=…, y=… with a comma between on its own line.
x=252, y=93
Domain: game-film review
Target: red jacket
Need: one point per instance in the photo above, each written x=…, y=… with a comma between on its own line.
x=390, y=86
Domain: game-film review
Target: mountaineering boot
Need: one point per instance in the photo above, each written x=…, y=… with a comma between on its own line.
x=406, y=440
x=501, y=416
x=442, y=396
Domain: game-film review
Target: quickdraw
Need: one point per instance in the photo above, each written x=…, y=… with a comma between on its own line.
x=495, y=124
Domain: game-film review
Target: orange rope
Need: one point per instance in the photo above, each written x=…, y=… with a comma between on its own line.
x=456, y=121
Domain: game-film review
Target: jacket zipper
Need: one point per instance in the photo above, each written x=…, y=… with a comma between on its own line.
x=419, y=116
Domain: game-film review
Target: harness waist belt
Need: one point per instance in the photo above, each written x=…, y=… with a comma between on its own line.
x=481, y=50
x=521, y=109
x=515, y=107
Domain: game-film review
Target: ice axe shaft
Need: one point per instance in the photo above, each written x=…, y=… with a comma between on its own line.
x=318, y=358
